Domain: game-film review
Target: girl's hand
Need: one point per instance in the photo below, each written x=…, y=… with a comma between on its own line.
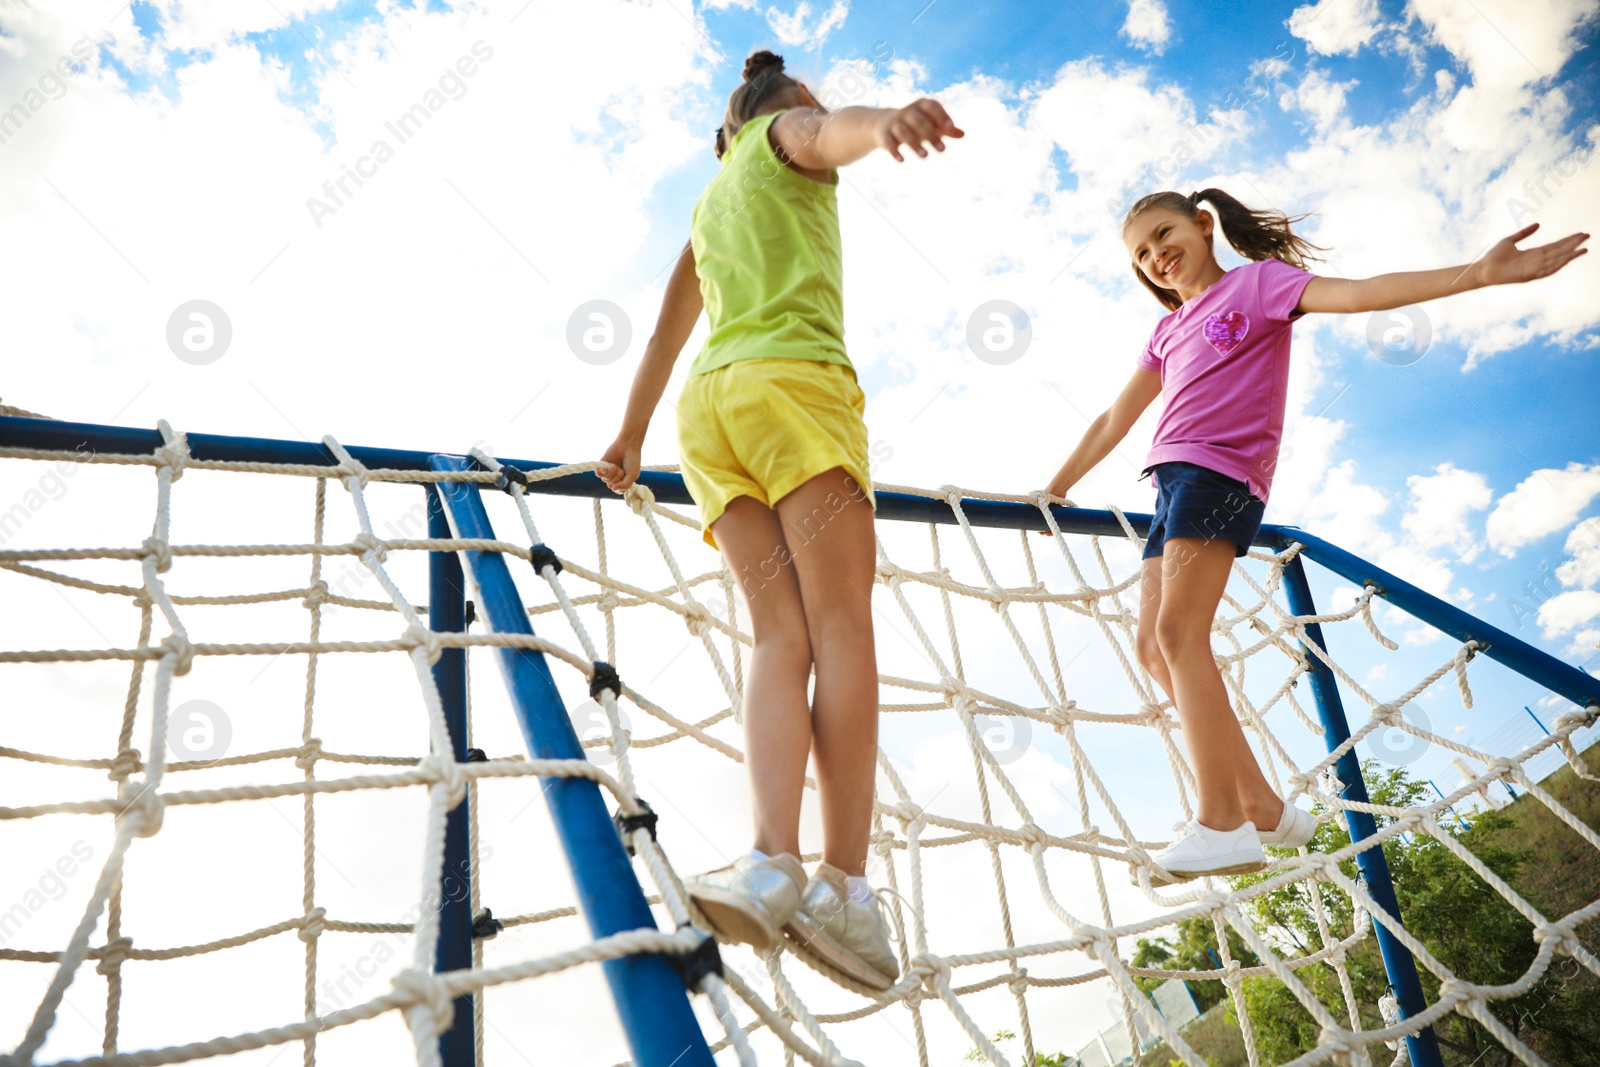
x=1505, y=263
x=619, y=467
x=923, y=120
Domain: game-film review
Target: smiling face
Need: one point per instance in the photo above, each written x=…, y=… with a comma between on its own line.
x=1171, y=249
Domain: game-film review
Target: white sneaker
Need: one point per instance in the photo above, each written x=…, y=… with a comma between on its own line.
x=749, y=900
x=1199, y=850
x=840, y=937
x=1295, y=828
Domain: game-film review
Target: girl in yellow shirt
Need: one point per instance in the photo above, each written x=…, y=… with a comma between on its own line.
x=774, y=451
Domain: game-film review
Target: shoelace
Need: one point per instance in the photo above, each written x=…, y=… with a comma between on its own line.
x=887, y=912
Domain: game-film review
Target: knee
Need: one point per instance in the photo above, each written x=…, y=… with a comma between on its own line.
x=1177, y=634
x=784, y=642
x=1148, y=649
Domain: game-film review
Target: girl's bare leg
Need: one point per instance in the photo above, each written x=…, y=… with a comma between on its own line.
x=829, y=525
x=1181, y=591
x=777, y=720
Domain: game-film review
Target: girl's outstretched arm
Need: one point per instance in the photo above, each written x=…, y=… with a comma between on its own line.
x=1503, y=264
x=812, y=139
x=681, y=305
x=1108, y=428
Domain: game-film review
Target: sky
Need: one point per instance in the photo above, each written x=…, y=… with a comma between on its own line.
x=157, y=154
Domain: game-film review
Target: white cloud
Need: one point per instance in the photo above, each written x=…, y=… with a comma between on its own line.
x=1583, y=545
x=1507, y=43
x=1336, y=27
x=1565, y=612
x=1541, y=504
x=1148, y=25
x=791, y=28
x=1319, y=97
x=1441, y=506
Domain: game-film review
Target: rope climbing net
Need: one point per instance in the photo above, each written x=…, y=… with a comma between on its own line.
x=987, y=946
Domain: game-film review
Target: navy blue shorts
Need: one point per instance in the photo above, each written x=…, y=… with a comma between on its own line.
x=1193, y=501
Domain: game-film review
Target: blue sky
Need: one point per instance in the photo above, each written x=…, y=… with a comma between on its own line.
x=1522, y=408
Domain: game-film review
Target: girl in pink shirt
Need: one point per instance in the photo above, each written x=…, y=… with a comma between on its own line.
x=1222, y=359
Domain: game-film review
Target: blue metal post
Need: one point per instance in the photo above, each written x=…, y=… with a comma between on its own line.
x=446, y=614
x=1535, y=719
x=656, y=1016
x=1397, y=959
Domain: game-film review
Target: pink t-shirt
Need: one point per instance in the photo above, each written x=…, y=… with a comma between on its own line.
x=1223, y=358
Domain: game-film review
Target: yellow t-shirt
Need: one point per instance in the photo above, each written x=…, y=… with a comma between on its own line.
x=766, y=248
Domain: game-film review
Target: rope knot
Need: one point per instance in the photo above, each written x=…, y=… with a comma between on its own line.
x=1152, y=714
x=1387, y=714
x=950, y=495
x=639, y=498
x=425, y=639
x=349, y=466
x=929, y=967
x=907, y=812
x=697, y=617
x=316, y=594
x=1232, y=974
x=883, y=844
x=1033, y=834
x=427, y=1001
x=312, y=926
x=157, y=549
x=310, y=752
x=1334, y=1038
x=182, y=652
x=609, y=601
x=114, y=955
x=1019, y=981
x=1565, y=940
x=370, y=545
x=1453, y=989
x=174, y=453
x=1500, y=766
x=142, y=806
x=126, y=762
x=442, y=769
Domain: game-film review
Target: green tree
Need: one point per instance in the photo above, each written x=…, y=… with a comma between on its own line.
x=1193, y=948
x=1463, y=921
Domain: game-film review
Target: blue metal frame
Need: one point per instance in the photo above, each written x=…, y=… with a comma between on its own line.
x=447, y=614
x=649, y=993
x=1397, y=959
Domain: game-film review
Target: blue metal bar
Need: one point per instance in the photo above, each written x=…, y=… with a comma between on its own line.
x=447, y=614
x=667, y=487
x=1535, y=719
x=650, y=997
x=1561, y=678
x=1397, y=959
x=1568, y=681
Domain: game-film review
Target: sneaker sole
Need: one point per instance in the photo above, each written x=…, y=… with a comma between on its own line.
x=735, y=918
x=1174, y=877
x=826, y=956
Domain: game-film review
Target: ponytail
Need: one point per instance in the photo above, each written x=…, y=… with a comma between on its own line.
x=1255, y=235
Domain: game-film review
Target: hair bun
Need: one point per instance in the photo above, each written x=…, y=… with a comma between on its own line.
x=760, y=63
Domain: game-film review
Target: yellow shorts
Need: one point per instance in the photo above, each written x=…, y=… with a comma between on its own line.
x=764, y=427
